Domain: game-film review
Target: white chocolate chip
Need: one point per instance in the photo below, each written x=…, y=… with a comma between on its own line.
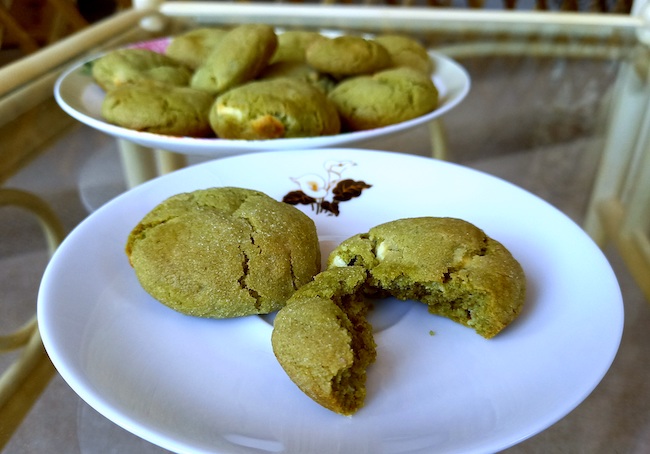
x=381, y=250
x=226, y=111
x=338, y=262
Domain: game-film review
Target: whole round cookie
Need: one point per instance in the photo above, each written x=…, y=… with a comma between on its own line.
x=385, y=98
x=406, y=51
x=223, y=252
x=159, y=108
x=272, y=109
x=347, y=55
x=242, y=53
x=323, y=342
x=193, y=47
x=447, y=263
x=131, y=65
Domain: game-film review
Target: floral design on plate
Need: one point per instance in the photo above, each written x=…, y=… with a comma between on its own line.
x=325, y=193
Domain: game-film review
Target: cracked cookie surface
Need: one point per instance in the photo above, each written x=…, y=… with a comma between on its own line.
x=448, y=264
x=223, y=252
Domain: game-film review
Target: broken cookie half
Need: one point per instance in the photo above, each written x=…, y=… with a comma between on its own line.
x=322, y=338
x=323, y=341
x=224, y=252
x=447, y=263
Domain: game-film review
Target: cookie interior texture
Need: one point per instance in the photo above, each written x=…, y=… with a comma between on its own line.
x=446, y=263
x=323, y=341
x=224, y=252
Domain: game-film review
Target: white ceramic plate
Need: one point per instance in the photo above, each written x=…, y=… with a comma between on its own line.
x=78, y=95
x=195, y=385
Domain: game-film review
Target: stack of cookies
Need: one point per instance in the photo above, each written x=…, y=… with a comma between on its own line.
x=251, y=83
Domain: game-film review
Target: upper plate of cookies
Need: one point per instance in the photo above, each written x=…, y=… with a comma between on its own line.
x=213, y=91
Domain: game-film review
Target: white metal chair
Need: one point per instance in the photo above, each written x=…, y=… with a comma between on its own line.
x=619, y=210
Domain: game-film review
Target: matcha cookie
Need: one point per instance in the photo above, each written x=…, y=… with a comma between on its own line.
x=406, y=51
x=385, y=98
x=224, y=252
x=242, y=53
x=193, y=47
x=124, y=66
x=271, y=109
x=159, y=108
x=446, y=263
x=347, y=56
x=293, y=44
x=322, y=340
x=298, y=70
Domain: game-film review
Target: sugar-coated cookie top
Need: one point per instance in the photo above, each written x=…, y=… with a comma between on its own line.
x=224, y=252
x=323, y=341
